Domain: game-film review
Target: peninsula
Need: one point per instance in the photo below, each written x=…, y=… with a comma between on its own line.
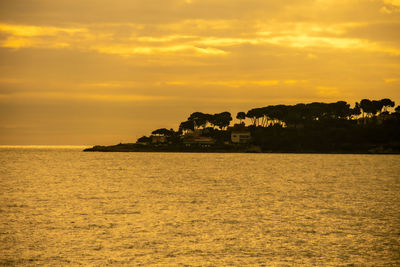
x=367, y=128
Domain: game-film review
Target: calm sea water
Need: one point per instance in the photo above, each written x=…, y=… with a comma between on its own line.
x=60, y=206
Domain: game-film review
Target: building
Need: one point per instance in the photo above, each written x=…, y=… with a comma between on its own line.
x=199, y=140
x=240, y=137
x=157, y=139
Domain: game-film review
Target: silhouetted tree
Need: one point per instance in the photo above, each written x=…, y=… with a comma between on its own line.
x=255, y=114
x=241, y=116
x=366, y=107
x=250, y=114
x=319, y=126
x=356, y=111
x=316, y=111
x=340, y=110
x=277, y=113
x=376, y=107
x=266, y=115
x=199, y=119
x=222, y=119
x=386, y=103
x=186, y=125
x=163, y=131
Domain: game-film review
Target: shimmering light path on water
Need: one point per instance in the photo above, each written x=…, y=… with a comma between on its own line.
x=61, y=206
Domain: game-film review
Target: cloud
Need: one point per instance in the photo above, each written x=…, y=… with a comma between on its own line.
x=294, y=81
x=147, y=50
x=22, y=36
x=390, y=6
x=31, y=31
x=300, y=36
x=241, y=83
x=392, y=80
x=172, y=57
x=84, y=96
x=162, y=39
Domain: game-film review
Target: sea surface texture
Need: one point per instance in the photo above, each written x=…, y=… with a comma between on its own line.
x=63, y=207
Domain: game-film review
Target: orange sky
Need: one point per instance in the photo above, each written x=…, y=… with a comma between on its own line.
x=101, y=72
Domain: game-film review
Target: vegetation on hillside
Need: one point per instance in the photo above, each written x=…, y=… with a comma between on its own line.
x=368, y=127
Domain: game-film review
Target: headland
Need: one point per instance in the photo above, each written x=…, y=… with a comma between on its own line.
x=367, y=128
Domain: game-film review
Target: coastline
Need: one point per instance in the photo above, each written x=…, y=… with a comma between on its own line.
x=372, y=149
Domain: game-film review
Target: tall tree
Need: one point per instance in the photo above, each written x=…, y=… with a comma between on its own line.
x=366, y=107
x=241, y=116
x=199, y=119
x=356, y=111
x=251, y=115
x=386, y=103
x=186, y=126
x=255, y=114
x=340, y=110
x=376, y=107
x=222, y=119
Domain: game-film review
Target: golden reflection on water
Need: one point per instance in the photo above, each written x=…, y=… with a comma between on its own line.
x=65, y=207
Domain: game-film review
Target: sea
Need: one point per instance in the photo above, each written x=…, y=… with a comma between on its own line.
x=60, y=206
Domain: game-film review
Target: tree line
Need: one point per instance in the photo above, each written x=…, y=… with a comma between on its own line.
x=283, y=115
x=300, y=113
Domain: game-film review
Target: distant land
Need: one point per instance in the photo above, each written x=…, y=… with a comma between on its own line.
x=370, y=127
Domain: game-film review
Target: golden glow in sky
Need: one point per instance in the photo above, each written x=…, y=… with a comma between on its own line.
x=100, y=72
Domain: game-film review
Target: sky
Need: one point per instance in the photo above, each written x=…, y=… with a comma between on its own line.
x=102, y=72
